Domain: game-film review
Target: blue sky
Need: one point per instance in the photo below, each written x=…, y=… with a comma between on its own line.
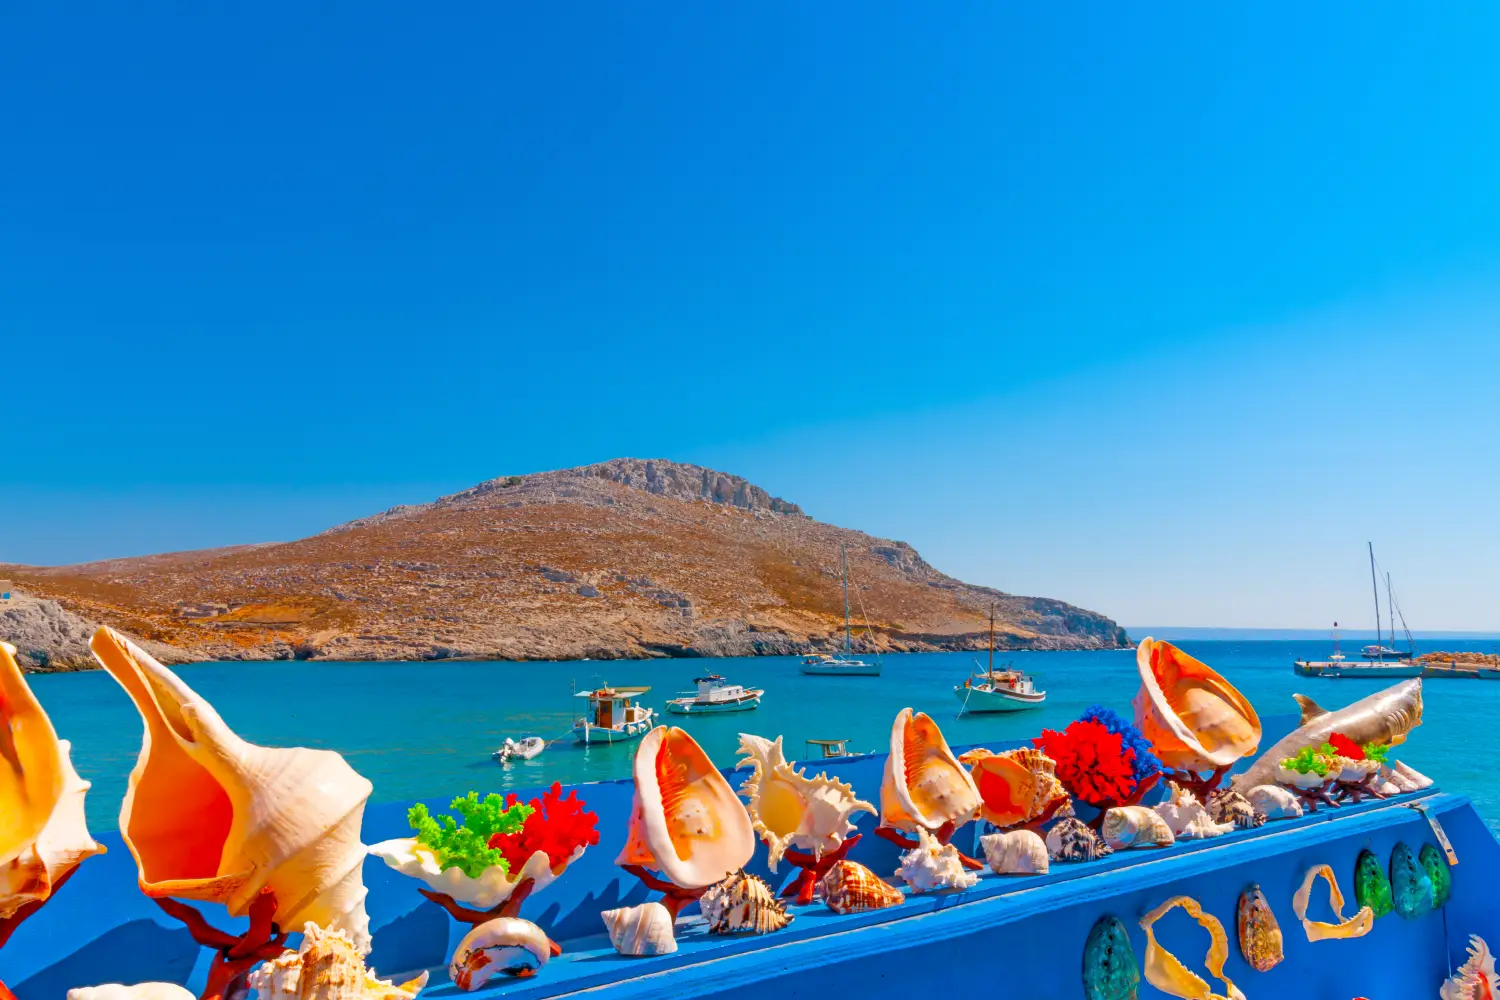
x=1162, y=311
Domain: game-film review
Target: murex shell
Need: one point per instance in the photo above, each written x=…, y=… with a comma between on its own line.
x=743, y=902
x=140, y=991
x=931, y=866
x=213, y=818
x=1475, y=979
x=1014, y=787
x=1274, y=802
x=1259, y=933
x=1226, y=805
x=789, y=809
x=1019, y=852
x=641, y=930
x=1109, y=969
x=1186, y=817
x=924, y=785
x=1135, y=826
x=850, y=887
x=43, y=836
x=685, y=820
x=1071, y=839
x=1194, y=719
x=326, y=967
x=503, y=946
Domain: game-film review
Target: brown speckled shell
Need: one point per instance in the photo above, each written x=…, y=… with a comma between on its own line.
x=850, y=887
x=743, y=902
x=1071, y=840
x=1228, y=806
x=1260, y=935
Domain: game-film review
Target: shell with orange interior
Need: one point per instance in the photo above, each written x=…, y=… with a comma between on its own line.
x=925, y=787
x=1016, y=786
x=685, y=821
x=1194, y=718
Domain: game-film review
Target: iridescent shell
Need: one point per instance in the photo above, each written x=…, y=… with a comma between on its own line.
x=1274, y=802
x=932, y=866
x=326, y=967
x=1475, y=979
x=1186, y=817
x=1226, y=805
x=1109, y=968
x=850, y=887
x=1070, y=839
x=789, y=809
x=506, y=946
x=1259, y=933
x=1194, y=719
x=1125, y=827
x=924, y=785
x=641, y=930
x=1371, y=887
x=1411, y=886
x=1016, y=786
x=1436, y=866
x=743, y=902
x=1019, y=852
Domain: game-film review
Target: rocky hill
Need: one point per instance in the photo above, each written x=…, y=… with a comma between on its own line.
x=626, y=558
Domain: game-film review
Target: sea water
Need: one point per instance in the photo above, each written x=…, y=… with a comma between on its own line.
x=426, y=730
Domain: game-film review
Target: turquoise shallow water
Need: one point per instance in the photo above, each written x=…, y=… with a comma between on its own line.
x=426, y=730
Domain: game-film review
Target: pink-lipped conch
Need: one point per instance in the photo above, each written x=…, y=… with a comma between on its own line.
x=1194, y=718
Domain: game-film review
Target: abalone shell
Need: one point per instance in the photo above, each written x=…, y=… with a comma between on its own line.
x=1371, y=887
x=1260, y=934
x=1110, y=971
x=1431, y=859
x=1411, y=886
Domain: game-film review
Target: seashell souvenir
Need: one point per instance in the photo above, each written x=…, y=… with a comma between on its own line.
x=1475, y=979
x=1432, y=861
x=1416, y=779
x=1109, y=971
x=1293, y=778
x=1070, y=839
x=211, y=817
x=1273, y=802
x=1186, y=817
x=850, y=887
x=789, y=809
x=1019, y=852
x=931, y=866
x=1125, y=827
x=641, y=930
x=743, y=903
x=1411, y=886
x=1355, y=772
x=1194, y=718
x=924, y=785
x=1167, y=973
x=1371, y=888
x=1259, y=933
x=685, y=821
x=1016, y=786
x=409, y=857
x=326, y=967
x=1228, y=806
x=504, y=946
x=1316, y=930
x=140, y=991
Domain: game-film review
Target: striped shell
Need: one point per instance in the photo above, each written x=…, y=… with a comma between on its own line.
x=1228, y=806
x=850, y=887
x=1135, y=826
x=503, y=946
x=1071, y=840
x=743, y=902
x=1019, y=852
x=640, y=930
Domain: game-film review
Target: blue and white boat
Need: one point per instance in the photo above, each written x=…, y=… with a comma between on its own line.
x=716, y=695
x=614, y=716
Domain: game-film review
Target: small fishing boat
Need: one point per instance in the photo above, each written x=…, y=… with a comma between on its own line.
x=828, y=748
x=715, y=694
x=612, y=716
x=824, y=665
x=1007, y=690
x=525, y=748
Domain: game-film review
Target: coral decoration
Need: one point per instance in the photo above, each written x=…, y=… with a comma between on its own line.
x=1144, y=764
x=559, y=826
x=467, y=847
x=1345, y=747
x=1093, y=763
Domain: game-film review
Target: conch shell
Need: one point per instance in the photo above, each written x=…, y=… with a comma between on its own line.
x=932, y=865
x=506, y=946
x=327, y=967
x=789, y=809
x=1019, y=852
x=640, y=930
x=140, y=991
x=1274, y=802
x=1194, y=718
x=211, y=817
x=743, y=902
x=1014, y=787
x=1135, y=826
x=925, y=786
x=1187, y=818
x=850, y=887
x=1475, y=979
x=685, y=821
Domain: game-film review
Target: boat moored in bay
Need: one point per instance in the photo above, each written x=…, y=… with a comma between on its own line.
x=613, y=716
x=822, y=664
x=716, y=695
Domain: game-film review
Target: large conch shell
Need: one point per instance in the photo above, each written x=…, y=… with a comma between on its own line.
x=789, y=809
x=1356, y=926
x=327, y=967
x=1165, y=970
x=1016, y=786
x=211, y=817
x=924, y=785
x=685, y=821
x=1475, y=979
x=1194, y=718
x=494, y=885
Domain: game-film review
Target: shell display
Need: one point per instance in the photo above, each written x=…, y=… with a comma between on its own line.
x=1109, y=969
x=1020, y=852
x=743, y=902
x=1475, y=979
x=1125, y=827
x=641, y=930
x=931, y=866
x=1371, y=887
x=685, y=820
x=1194, y=719
x=850, y=887
x=1228, y=806
x=506, y=946
x=924, y=784
x=1411, y=886
x=1293, y=778
x=1070, y=839
x=1259, y=933
x=1416, y=779
x=326, y=967
x=1354, y=772
x=1274, y=802
x=1167, y=973
x=493, y=887
x=1186, y=817
x=1014, y=787
x=1317, y=930
x=213, y=818
x=789, y=809
x=1432, y=861
x=140, y=991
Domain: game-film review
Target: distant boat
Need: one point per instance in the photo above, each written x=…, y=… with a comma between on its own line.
x=822, y=664
x=1381, y=660
x=715, y=695
x=523, y=749
x=612, y=717
x=1006, y=690
x=828, y=748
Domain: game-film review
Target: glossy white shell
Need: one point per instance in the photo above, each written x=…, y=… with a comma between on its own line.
x=1125, y=827
x=1274, y=802
x=503, y=946
x=640, y=930
x=1019, y=852
x=140, y=991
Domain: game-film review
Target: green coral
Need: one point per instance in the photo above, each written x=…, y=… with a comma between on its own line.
x=1310, y=761
x=1376, y=751
x=467, y=847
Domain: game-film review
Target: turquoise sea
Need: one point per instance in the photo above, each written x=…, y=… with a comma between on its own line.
x=426, y=730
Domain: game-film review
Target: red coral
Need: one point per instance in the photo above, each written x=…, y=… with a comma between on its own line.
x=1346, y=747
x=557, y=825
x=1093, y=763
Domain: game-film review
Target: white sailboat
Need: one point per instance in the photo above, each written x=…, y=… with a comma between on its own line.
x=822, y=664
x=1380, y=660
x=1006, y=690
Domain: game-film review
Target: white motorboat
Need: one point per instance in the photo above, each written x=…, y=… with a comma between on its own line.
x=1006, y=690
x=613, y=716
x=525, y=748
x=714, y=695
x=825, y=665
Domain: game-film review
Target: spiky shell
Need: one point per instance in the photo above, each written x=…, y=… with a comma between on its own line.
x=504, y=946
x=1475, y=979
x=1259, y=933
x=641, y=930
x=850, y=887
x=789, y=809
x=326, y=967
x=1071, y=839
x=1014, y=787
x=924, y=784
x=931, y=866
x=1225, y=805
x=1187, y=818
x=1019, y=852
x=743, y=902
x=1135, y=826
x=1274, y=802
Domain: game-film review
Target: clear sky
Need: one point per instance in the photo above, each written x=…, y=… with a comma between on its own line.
x=1164, y=310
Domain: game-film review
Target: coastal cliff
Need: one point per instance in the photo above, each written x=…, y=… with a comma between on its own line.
x=624, y=559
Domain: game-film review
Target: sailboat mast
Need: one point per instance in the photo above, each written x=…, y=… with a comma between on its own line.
x=992, y=638
x=1375, y=589
x=844, y=557
x=1390, y=616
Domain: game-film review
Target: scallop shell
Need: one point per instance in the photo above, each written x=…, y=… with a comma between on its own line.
x=641, y=930
x=1071, y=839
x=924, y=785
x=211, y=817
x=685, y=821
x=1014, y=787
x=789, y=809
x=1475, y=979
x=1194, y=719
x=931, y=866
x=743, y=903
x=1226, y=805
x=326, y=967
x=1186, y=817
x=1019, y=852
x=1259, y=933
x=504, y=946
x=140, y=991
x=493, y=886
x=1274, y=802
x=1135, y=826
x=850, y=887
